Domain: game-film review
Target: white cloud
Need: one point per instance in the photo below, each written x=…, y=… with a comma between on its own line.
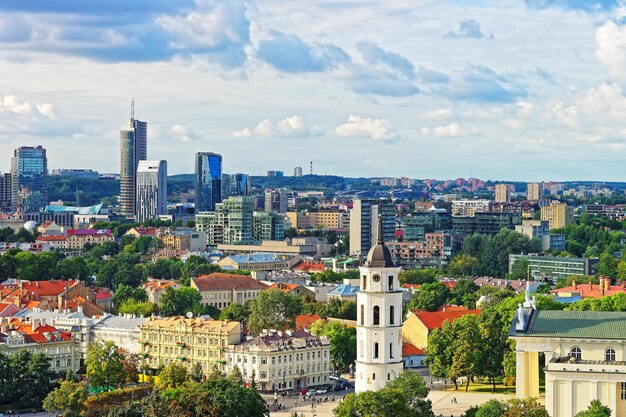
x=243, y=133
x=290, y=127
x=264, y=128
x=450, y=130
x=437, y=114
x=19, y=105
x=377, y=129
x=524, y=108
x=183, y=133
x=611, y=47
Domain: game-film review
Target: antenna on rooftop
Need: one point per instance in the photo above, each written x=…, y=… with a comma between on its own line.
x=132, y=109
x=311, y=167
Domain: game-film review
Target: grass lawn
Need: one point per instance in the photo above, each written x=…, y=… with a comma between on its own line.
x=486, y=388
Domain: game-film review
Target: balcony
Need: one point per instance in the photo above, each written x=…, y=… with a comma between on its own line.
x=568, y=365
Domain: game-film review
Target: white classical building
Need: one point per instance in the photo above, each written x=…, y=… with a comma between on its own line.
x=585, y=358
x=379, y=320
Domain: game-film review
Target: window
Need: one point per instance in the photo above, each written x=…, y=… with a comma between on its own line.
x=391, y=315
x=623, y=391
x=373, y=377
x=576, y=352
x=390, y=282
x=609, y=355
x=364, y=282
x=362, y=314
x=376, y=315
x=391, y=350
x=375, y=350
x=388, y=377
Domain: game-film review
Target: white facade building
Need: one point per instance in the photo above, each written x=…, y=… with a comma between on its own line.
x=379, y=321
x=151, y=194
x=282, y=360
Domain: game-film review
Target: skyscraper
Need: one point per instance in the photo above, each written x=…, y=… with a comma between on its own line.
x=534, y=191
x=230, y=223
x=151, y=190
x=297, y=172
x=29, y=169
x=276, y=200
x=364, y=224
x=235, y=185
x=502, y=193
x=208, y=181
x=133, y=148
x=5, y=192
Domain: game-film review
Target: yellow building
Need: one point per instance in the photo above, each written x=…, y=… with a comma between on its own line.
x=557, y=214
x=315, y=219
x=77, y=239
x=187, y=341
x=419, y=324
x=221, y=290
x=585, y=354
x=502, y=193
x=534, y=191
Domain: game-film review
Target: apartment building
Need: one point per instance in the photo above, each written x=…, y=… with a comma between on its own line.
x=469, y=207
x=221, y=290
x=315, y=219
x=77, y=239
x=557, y=214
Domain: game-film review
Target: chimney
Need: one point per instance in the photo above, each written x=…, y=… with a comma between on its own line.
x=35, y=324
x=574, y=284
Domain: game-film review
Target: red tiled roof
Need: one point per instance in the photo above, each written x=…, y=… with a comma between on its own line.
x=408, y=350
x=50, y=238
x=89, y=232
x=37, y=335
x=449, y=284
x=434, y=320
x=158, y=284
x=220, y=281
x=591, y=290
x=452, y=308
x=47, y=288
x=309, y=266
x=305, y=321
x=145, y=231
x=283, y=287
x=413, y=286
x=103, y=295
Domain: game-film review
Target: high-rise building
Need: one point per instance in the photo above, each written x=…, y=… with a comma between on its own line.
x=503, y=193
x=268, y=226
x=379, y=320
x=557, y=214
x=208, y=181
x=364, y=224
x=5, y=192
x=275, y=173
x=29, y=169
x=230, y=223
x=151, y=194
x=534, y=191
x=276, y=200
x=297, y=172
x=235, y=185
x=133, y=148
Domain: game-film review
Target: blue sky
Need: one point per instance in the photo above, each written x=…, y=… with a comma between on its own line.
x=502, y=89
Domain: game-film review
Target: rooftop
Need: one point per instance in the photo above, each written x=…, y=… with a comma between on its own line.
x=434, y=319
x=607, y=325
x=89, y=232
x=221, y=281
x=194, y=324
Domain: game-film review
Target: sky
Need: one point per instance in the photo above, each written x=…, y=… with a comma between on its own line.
x=503, y=89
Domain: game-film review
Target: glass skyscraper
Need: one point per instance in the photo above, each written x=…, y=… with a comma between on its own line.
x=235, y=185
x=29, y=169
x=133, y=148
x=151, y=190
x=208, y=181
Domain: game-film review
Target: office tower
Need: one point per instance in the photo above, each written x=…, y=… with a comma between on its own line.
x=133, y=148
x=379, y=320
x=364, y=224
x=534, y=191
x=151, y=194
x=5, y=192
x=230, y=223
x=276, y=200
x=208, y=181
x=275, y=173
x=268, y=226
x=234, y=185
x=297, y=172
x=557, y=214
x=29, y=169
x=502, y=194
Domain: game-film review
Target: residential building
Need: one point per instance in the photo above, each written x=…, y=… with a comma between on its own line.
x=208, y=181
x=416, y=225
x=533, y=229
x=534, y=191
x=435, y=250
x=379, y=320
x=53, y=242
x=36, y=336
x=187, y=342
x=276, y=200
x=133, y=148
x=584, y=358
x=258, y=262
x=183, y=239
x=282, y=360
x=590, y=290
x=484, y=223
x=412, y=356
x=77, y=239
x=273, y=173
x=297, y=172
x=221, y=290
x=518, y=285
x=235, y=185
x=8, y=309
x=343, y=292
x=419, y=324
x=138, y=232
x=553, y=267
x=303, y=220
x=557, y=214
x=469, y=207
x=364, y=224
x=29, y=170
x=123, y=330
x=502, y=193
x=155, y=288
x=268, y=226
x=230, y=223
x=53, y=294
x=293, y=289
x=151, y=194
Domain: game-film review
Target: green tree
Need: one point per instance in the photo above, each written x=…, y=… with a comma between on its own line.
x=464, y=293
x=172, y=376
x=138, y=308
x=124, y=292
x=430, y=297
x=528, y=407
x=462, y=265
x=196, y=372
x=417, y=276
x=467, y=347
x=273, y=309
x=492, y=408
x=235, y=312
x=412, y=384
x=595, y=409
x=180, y=301
x=520, y=269
x=67, y=399
x=493, y=336
x=342, y=341
x=105, y=365
x=440, y=351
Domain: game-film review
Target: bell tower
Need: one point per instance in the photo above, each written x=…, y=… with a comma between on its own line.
x=379, y=319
